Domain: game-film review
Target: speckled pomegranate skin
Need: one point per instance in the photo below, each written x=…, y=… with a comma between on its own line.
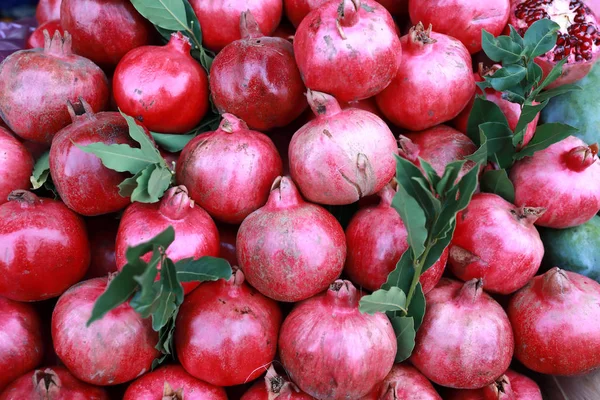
x=16, y=165
x=404, y=382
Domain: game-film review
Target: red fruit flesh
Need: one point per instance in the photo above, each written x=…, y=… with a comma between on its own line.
x=115, y=349
x=331, y=350
x=510, y=386
x=16, y=165
x=37, y=40
x=35, y=86
x=229, y=171
x=167, y=97
x=227, y=332
x=465, y=340
x=47, y=10
x=555, y=320
x=289, y=249
x=273, y=387
x=434, y=82
x=404, y=382
x=348, y=41
x=562, y=179
x=227, y=235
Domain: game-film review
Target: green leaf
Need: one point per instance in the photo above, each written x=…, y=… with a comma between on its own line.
x=501, y=49
x=480, y=155
x=194, y=24
x=416, y=309
x=168, y=14
x=402, y=275
x=146, y=279
x=450, y=175
x=404, y=327
x=515, y=37
x=540, y=37
x=406, y=175
x=414, y=220
x=203, y=269
x=434, y=204
x=172, y=142
x=545, y=135
x=528, y=114
x=163, y=239
x=516, y=95
x=128, y=185
x=165, y=340
x=496, y=181
x=550, y=93
x=141, y=192
x=383, y=300
x=41, y=170
x=146, y=146
x=432, y=175
x=499, y=143
x=552, y=76
x=146, y=304
x=168, y=277
x=483, y=111
x=436, y=250
x=159, y=182
x=119, y=157
x=534, y=75
x=507, y=77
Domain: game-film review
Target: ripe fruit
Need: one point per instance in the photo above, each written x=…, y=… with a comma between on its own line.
x=275, y=386
x=16, y=165
x=47, y=10
x=102, y=232
x=404, y=382
x=510, y=386
x=37, y=40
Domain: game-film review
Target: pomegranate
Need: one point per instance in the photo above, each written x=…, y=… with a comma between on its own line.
x=559, y=178
x=365, y=104
x=35, y=86
x=578, y=38
x=296, y=10
x=510, y=386
x=167, y=97
x=47, y=10
x=271, y=93
x=195, y=232
x=555, y=320
x=229, y=171
x=220, y=19
x=357, y=37
x=16, y=165
x=434, y=82
x=102, y=232
x=227, y=332
x=228, y=234
x=55, y=383
x=44, y=248
x=37, y=40
x=172, y=382
x=342, y=155
x=331, y=350
x=289, y=249
x=115, y=349
x=465, y=340
x=404, y=382
x=275, y=386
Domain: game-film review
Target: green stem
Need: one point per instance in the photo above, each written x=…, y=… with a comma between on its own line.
x=418, y=268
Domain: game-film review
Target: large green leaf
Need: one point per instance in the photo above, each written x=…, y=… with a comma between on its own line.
x=545, y=135
x=483, y=111
x=168, y=14
x=528, y=114
x=172, y=142
x=137, y=133
x=414, y=220
x=159, y=182
x=119, y=157
x=203, y=269
x=501, y=49
x=408, y=176
x=404, y=327
x=402, y=275
x=540, y=37
x=383, y=300
x=507, y=77
x=500, y=147
x=416, y=309
x=163, y=239
x=496, y=181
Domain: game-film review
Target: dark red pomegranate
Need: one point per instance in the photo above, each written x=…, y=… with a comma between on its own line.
x=333, y=351
x=555, y=320
x=404, y=382
x=47, y=10
x=227, y=332
x=290, y=249
x=229, y=171
x=275, y=386
x=560, y=179
x=465, y=340
x=510, y=386
x=37, y=40
x=433, y=84
x=102, y=232
x=227, y=235
x=115, y=349
x=16, y=165
x=36, y=84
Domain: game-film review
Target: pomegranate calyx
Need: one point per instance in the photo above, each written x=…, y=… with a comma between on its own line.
x=347, y=15
x=180, y=43
x=284, y=193
x=499, y=390
x=322, y=104
x=46, y=381
x=419, y=36
x=342, y=293
x=237, y=277
x=555, y=282
x=58, y=45
x=483, y=71
x=176, y=203
x=24, y=197
x=231, y=124
x=470, y=291
x=528, y=215
x=408, y=149
x=386, y=195
x=80, y=108
x=249, y=28
x=170, y=394
x=581, y=157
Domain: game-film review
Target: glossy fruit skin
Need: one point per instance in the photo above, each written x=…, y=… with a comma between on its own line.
x=115, y=349
x=162, y=86
x=36, y=84
x=227, y=332
x=342, y=155
x=363, y=44
x=465, y=340
x=16, y=165
x=420, y=96
x=275, y=386
x=220, y=19
x=548, y=179
x=47, y=10
x=21, y=347
x=196, y=234
x=404, y=382
x=102, y=232
x=151, y=386
x=290, y=249
x=229, y=171
x=510, y=386
x=34, y=229
x=326, y=339
x=36, y=39
x=53, y=383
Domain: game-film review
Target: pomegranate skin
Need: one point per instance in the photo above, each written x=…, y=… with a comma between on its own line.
x=115, y=349
x=44, y=245
x=419, y=96
x=37, y=40
x=16, y=165
x=296, y=10
x=559, y=179
x=404, y=382
x=162, y=86
x=196, y=234
x=102, y=232
x=333, y=351
x=465, y=340
x=510, y=386
x=290, y=249
x=362, y=43
x=36, y=84
x=229, y=171
x=152, y=386
x=227, y=332
x=555, y=320
x=275, y=386
x=47, y=10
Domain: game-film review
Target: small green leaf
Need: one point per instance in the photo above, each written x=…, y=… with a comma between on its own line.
x=41, y=170
x=168, y=14
x=402, y=275
x=433, y=203
x=141, y=193
x=480, y=155
x=383, y=300
x=436, y=250
x=406, y=172
x=496, y=181
x=172, y=142
x=499, y=143
x=165, y=308
x=550, y=93
x=483, y=111
x=501, y=49
x=137, y=133
x=146, y=279
x=119, y=157
x=163, y=239
x=554, y=74
x=168, y=277
x=203, y=269
x=514, y=35
x=404, y=327
x=528, y=114
x=540, y=37
x=159, y=182
x=146, y=304
x=128, y=185
x=416, y=309
x=432, y=175
x=545, y=135
x=516, y=95
x=450, y=175
x=507, y=77
x=534, y=75
x=165, y=340
x=414, y=220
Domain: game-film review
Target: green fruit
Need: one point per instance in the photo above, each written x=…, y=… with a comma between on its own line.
x=574, y=249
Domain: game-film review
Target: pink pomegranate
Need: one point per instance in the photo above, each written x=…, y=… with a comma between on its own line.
x=365, y=104
x=290, y=249
x=510, y=386
x=102, y=232
x=275, y=386
x=296, y=10
x=560, y=179
x=37, y=40
x=47, y=10
x=404, y=382
x=16, y=165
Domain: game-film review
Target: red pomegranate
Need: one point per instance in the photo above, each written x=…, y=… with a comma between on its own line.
x=227, y=235
x=433, y=84
x=560, y=179
x=510, y=386
x=102, y=232
x=365, y=104
x=275, y=386
x=290, y=249
x=36, y=84
x=348, y=41
x=404, y=382
x=37, y=40
x=47, y=10
x=296, y=10
x=16, y=165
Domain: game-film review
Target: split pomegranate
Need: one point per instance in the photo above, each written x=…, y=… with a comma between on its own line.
x=227, y=332
x=102, y=232
x=342, y=155
x=229, y=171
x=497, y=242
x=510, y=386
x=434, y=82
x=289, y=249
x=36, y=84
x=465, y=340
x=47, y=10
x=272, y=93
x=555, y=320
x=275, y=386
x=333, y=351
x=404, y=382
x=348, y=41
x=578, y=38
x=167, y=97
x=37, y=40
x=16, y=165
x=115, y=349
x=561, y=179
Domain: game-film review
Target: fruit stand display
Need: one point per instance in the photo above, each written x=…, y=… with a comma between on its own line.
x=300, y=199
